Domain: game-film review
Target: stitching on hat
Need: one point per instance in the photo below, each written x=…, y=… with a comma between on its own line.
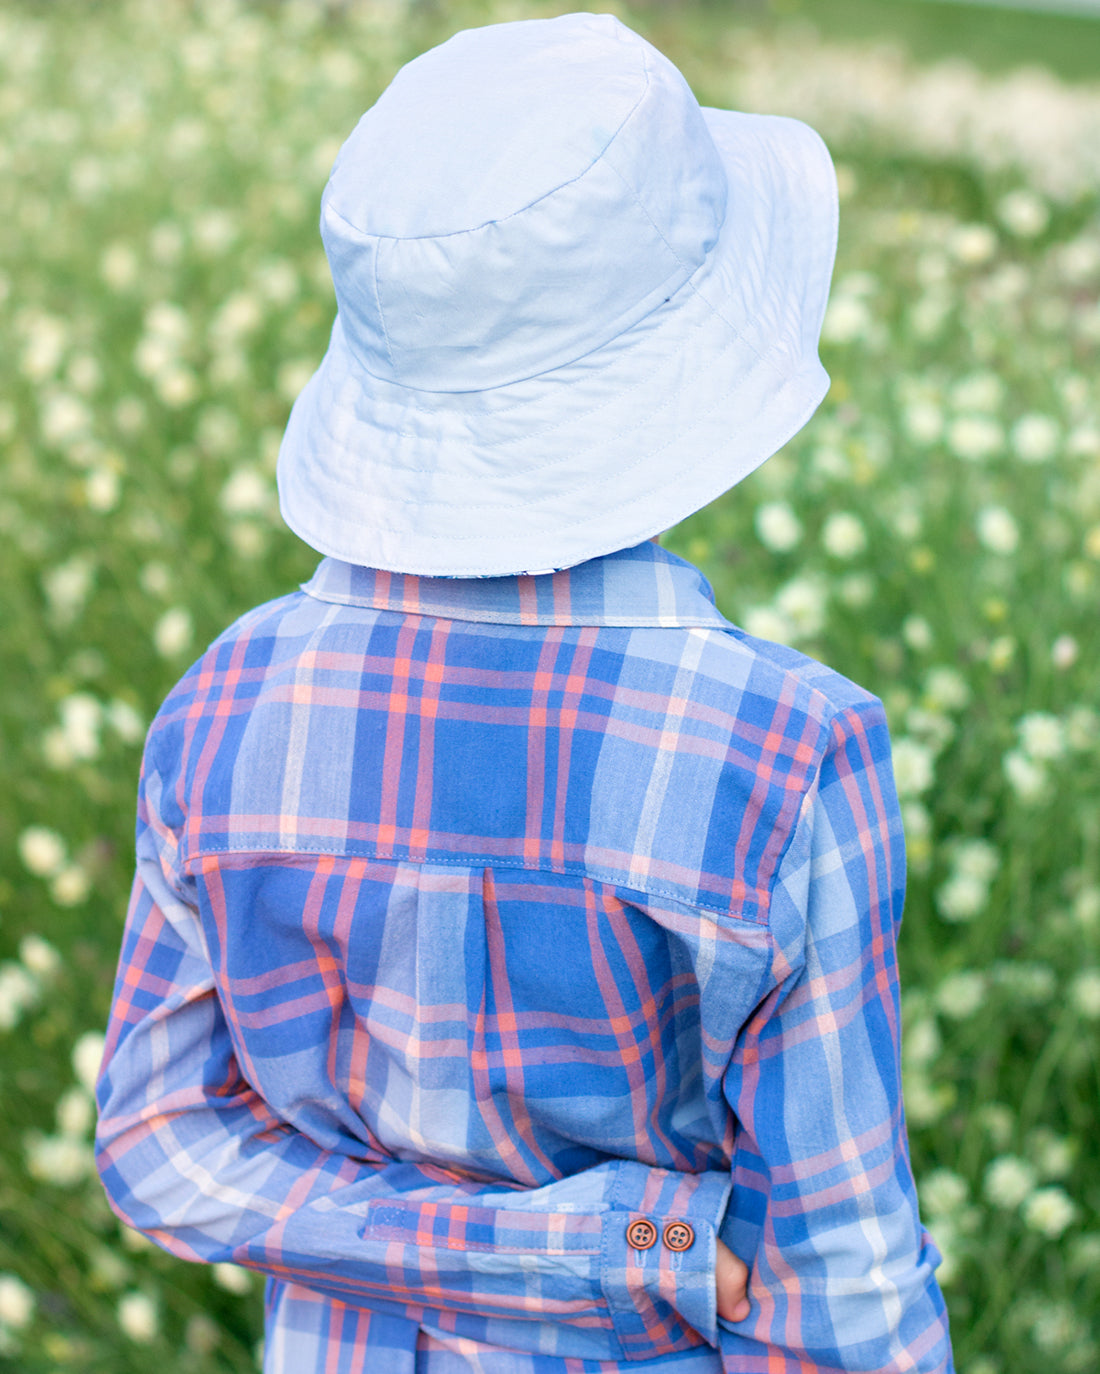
x=678, y=437
x=381, y=312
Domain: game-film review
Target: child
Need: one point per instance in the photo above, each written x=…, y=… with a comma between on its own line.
x=510, y=968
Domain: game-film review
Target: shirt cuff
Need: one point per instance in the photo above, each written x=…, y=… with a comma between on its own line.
x=658, y=1249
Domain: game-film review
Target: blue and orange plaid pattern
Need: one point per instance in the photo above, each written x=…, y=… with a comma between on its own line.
x=475, y=920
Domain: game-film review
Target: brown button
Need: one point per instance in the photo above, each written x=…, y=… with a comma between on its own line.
x=641, y=1234
x=679, y=1235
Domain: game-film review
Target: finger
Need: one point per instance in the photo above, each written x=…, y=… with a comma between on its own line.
x=731, y=1282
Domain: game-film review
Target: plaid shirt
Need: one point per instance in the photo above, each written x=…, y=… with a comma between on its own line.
x=476, y=920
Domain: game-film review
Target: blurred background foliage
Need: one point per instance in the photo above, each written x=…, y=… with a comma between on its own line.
x=934, y=533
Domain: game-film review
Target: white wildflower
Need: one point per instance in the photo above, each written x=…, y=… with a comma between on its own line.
x=46, y=338
x=173, y=632
x=920, y=1042
x=38, y=956
x=917, y=633
x=277, y=280
x=843, y=535
x=925, y=1101
x=127, y=724
x=58, y=1159
x=42, y=850
x=168, y=321
x=201, y=1335
x=80, y=720
x=1008, y=1180
x=777, y=526
x=71, y=886
x=1086, y=907
x=943, y=1192
x=154, y=355
x=1084, y=1254
x=84, y=373
x=765, y=622
x=218, y=430
x=64, y=418
x=119, y=266
x=983, y=392
x=802, y=602
x=16, y=1302
x=87, y=1057
x=75, y=1113
x=1082, y=728
x=107, y=1267
x=292, y=377
x=1053, y=1154
x=1023, y=213
x=856, y=589
x=137, y=1316
x=1001, y=652
x=155, y=578
x=917, y=820
x=248, y=539
x=913, y=767
x=134, y=1241
x=1049, y=1211
x=1085, y=992
x=973, y=244
x=1055, y=1328
x=930, y=727
x=1042, y=735
x=19, y=991
x=961, y=994
x=176, y=386
x=1035, y=438
x=1078, y=261
x=929, y=314
x=129, y=415
x=846, y=320
x=974, y=437
x=245, y=493
x=166, y=243
x=999, y=1121
x=239, y=315
x=1027, y=982
x=67, y=587
x=233, y=1278
x=1064, y=652
x=55, y=748
x=923, y=421
x=1083, y=441
x=961, y=898
x=998, y=530
x=101, y=489
x=214, y=232
x=977, y=859
x=1026, y=777
x=946, y=688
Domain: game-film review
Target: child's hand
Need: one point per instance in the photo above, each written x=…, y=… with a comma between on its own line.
x=731, y=1277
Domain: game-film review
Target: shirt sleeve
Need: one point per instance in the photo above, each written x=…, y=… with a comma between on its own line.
x=824, y=1206
x=191, y=1154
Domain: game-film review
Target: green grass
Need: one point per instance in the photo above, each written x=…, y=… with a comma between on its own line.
x=173, y=156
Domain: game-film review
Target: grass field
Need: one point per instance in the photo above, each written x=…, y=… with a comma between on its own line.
x=934, y=534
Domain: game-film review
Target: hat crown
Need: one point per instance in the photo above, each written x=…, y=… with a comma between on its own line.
x=518, y=197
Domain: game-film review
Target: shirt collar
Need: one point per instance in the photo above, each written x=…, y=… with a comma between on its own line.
x=645, y=585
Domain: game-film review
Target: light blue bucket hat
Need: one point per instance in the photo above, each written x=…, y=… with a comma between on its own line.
x=573, y=306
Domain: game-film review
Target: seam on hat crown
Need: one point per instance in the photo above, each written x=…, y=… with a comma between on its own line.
x=329, y=209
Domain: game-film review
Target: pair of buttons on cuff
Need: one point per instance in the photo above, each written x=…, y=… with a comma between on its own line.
x=642, y=1235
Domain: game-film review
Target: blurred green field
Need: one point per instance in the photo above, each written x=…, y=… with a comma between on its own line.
x=934, y=534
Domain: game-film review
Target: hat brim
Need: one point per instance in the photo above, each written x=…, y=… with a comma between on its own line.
x=606, y=451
